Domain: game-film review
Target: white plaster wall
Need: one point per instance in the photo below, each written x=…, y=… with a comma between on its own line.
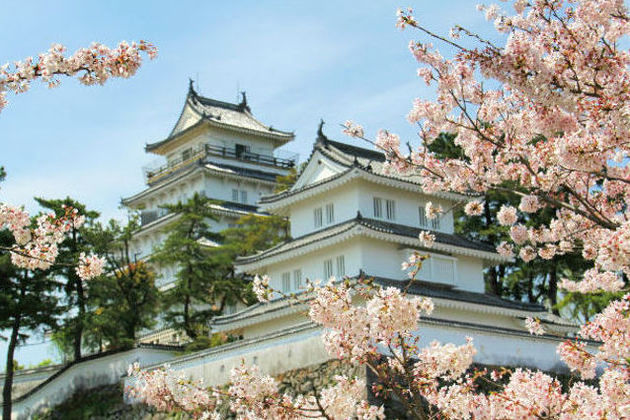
x=344, y=198
x=407, y=204
x=380, y=258
x=220, y=188
x=470, y=274
x=312, y=265
x=279, y=353
x=273, y=355
x=375, y=257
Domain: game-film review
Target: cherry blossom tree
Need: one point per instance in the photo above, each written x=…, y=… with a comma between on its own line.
x=549, y=111
x=35, y=245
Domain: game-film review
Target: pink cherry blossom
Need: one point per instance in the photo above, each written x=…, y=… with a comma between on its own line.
x=533, y=326
x=473, y=208
x=426, y=238
x=507, y=215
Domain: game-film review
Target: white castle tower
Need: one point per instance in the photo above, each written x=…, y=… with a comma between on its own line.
x=218, y=149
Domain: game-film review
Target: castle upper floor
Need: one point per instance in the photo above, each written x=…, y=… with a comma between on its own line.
x=340, y=181
x=222, y=131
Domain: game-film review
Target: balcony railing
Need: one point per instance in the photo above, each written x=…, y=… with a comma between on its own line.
x=201, y=152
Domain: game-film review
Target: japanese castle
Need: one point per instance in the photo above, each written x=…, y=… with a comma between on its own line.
x=349, y=216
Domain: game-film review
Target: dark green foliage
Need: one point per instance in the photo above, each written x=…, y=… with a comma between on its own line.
x=205, y=282
x=254, y=233
x=204, y=342
x=284, y=182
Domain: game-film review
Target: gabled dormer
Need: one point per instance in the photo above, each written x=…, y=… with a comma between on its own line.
x=339, y=180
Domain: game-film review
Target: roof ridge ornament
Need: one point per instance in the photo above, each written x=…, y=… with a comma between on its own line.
x=321, y=137
x=243, y=104
x=191, y=88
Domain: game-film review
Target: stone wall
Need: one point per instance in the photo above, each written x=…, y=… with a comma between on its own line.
x=304, y=380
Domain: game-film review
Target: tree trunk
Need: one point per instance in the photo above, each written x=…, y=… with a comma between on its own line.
x=187, y=324
x=493, y=281
x=78, y=328
x=8, y=379
x=530, y=288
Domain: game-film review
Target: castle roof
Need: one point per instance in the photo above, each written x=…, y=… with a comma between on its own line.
x=353, y=161
x=444, y=296
x=360, y=226
x=199, y=110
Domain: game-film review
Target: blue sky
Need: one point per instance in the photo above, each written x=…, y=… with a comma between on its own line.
x=298, y=62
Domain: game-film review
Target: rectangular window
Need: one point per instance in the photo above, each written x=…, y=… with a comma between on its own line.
x=286, y=282
x=235, y=195
x=378, y=207
x=443, y=270
x=186, y=154
x=330, y=213
x=341, y=266
x=317, y=216
x=438, y=269
x=435, y=223
x=244, y=196
x=328, y=269
x=390, y=206
x=423, y=216
x=297, y=280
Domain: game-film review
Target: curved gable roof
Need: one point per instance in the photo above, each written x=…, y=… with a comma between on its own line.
x=199, y=109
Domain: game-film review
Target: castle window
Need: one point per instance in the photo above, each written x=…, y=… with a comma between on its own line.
x=378, y=207
x=187, y=154
x=235, y=195
x=330, y=213
x=439, y=269
x=435, y=223
x=423, y=216
x=297, y=280
x=328, y=269
x=241, y=149
x=243, y=196
x=341, y=266
x=286, y=282
x=390, y=206
x=317, y=216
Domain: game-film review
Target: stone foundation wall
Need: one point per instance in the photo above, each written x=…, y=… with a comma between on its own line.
x=304, y=380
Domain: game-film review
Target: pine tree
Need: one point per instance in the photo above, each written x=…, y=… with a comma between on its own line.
x=124, y=301
x=205, y=283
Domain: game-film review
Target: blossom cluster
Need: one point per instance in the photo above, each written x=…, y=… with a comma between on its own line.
x=37, y=244
x=250, y=395
x=93, y=65
x=554, y=123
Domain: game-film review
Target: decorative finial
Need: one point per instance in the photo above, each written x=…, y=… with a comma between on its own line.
x=320, y=131
x=356, y=161
x=191, y=88
x=359, y=215
x=243, y=104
